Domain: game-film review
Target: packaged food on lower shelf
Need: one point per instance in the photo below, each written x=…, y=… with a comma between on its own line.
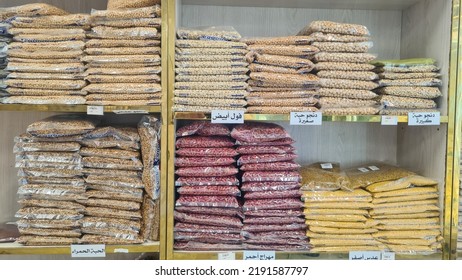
x=103, y=198
x=386, y=208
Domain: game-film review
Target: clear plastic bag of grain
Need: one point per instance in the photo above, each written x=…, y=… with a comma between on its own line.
x=123, y=71
x=214, y=78
x=331, y=37
x=209, y=44
x=53, y=21
x=280, y=109
x=389, y=101
x=210, y=64
x=122, y=4
x=347, y=84
x=210, y=71
x=211, y=85
x=335, y=27
x=343, y=66
x=282, y=95
x=294, y=80
x=349, y=75
x=57, y=46
x=123, y=51
x=209, y=33
x=123, y=88
x=340, y=47
x=334, y=102
x=31, y=10
x=122, y=43
x=344, y=57
x=428, y=82
x=123, y=79
x=256, y=67
x=145, y=12
x=124, y=23
x=416, y=92
x=399, y=76
x=235, y=103
x=47, y=84
x=133, y=33
x=289, y=50
x=283, y=102
x=346, y=93
x=284, y=41
x=210, y=51
x=281, y=61
x=205, y=94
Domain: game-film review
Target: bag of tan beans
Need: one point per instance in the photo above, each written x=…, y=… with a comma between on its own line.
x=123, y=4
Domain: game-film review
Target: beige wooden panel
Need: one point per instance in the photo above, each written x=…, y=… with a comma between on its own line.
x=350, y=144
x=385, y=26
x=11, y=124
x=74, y=6
x=426, y=32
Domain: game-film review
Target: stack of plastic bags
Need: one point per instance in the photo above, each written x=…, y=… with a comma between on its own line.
x=407, y=214
x=112, y=168
x=123, y=56
x=408, y=85
x=346, y=77
x=207, y=210
x=273, y=218
x=337, y=216
x=45, y=56
x=5, y=38
x=280, y=79
x=149, y=129
x=211, y=71
x=51, y=183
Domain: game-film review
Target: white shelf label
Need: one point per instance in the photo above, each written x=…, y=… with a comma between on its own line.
x=389, y=120
x=88, y=251
x=121, y=250
x=259, y=255
x=227, y=256
x=388, y=256
x=305, y=118
x=373, y=168
x=126, y=112
x=365, y=255
x=363, y=169
x=424, y=118
x=326, y=165
x=95, y=110
x=227, y=116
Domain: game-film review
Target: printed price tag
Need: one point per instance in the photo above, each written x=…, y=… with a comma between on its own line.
x=424, y=118
x=95, y=110
x=389, y=120
x=363, y=169
x=227, y=116
x=88, y=251
x=126, y=112
x=388, y=256
x=326, y=165
x=373, y=168
x=227, y=256
x=306, y=118
x=259, y=255
x=365, y=255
